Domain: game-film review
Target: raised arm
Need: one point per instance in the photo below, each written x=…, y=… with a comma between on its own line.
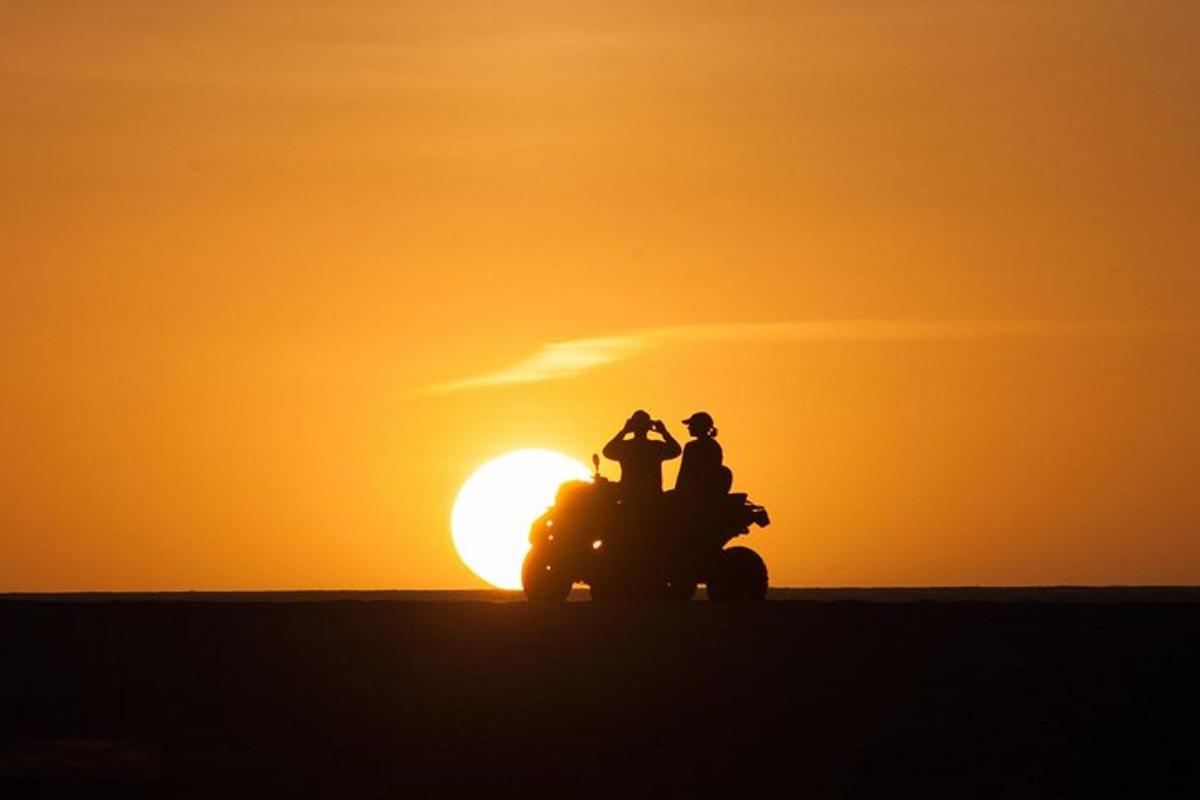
x=671, y=447
x=613, y=449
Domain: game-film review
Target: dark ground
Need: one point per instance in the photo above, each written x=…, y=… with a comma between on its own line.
x=991, y=694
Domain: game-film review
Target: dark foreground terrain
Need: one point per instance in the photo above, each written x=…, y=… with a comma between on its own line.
x=1067, y=695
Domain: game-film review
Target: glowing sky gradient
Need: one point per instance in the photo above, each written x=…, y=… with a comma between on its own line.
x=276, y=277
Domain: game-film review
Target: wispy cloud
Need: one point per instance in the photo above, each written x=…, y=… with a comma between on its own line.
x=557, y=360
x=554, y=360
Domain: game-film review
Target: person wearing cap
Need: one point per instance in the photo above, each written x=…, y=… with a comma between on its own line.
x=641, y=457
x=701, y=473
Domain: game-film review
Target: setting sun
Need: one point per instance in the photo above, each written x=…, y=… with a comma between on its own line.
x=495, y=507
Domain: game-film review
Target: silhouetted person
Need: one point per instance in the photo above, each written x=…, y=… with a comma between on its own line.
x=641, y=457
x=702, y=474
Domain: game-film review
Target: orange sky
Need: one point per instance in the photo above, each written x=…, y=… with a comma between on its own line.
x=275, y=277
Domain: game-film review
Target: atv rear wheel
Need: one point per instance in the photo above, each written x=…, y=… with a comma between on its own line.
x=545, y=582
x=738, y=576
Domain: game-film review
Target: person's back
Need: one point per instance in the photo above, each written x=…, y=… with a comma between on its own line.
x=700, y=470
x=640, y=457
x=702, y=474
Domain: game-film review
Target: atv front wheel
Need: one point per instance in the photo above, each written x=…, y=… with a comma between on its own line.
x=545, y=583
x=738, y=576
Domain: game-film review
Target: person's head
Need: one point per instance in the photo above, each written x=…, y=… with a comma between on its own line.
x=639, y=422
x=700, y=425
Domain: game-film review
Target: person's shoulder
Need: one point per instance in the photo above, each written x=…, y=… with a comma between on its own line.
x=616, y=446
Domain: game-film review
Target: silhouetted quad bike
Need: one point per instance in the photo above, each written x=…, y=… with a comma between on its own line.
x=655, y=551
